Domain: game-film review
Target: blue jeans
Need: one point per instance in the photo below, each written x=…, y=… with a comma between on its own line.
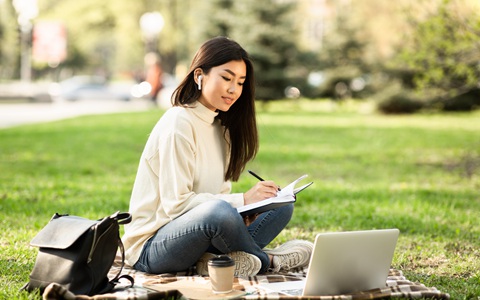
x=216, y=227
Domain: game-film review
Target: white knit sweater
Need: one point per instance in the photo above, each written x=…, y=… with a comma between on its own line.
x=183, y=164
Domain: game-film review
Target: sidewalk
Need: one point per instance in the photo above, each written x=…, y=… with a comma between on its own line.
x=29, y=113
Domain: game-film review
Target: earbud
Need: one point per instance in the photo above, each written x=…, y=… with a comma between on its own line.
x=200, y=82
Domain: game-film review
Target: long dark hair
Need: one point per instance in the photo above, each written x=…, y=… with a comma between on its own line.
x=239, y=121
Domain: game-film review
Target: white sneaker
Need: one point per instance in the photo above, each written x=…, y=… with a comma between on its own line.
x=246, y=264
x=291, y=255
x=202, y=263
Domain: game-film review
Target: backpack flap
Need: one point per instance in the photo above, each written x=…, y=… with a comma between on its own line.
x=61, y=232
x=77, y=253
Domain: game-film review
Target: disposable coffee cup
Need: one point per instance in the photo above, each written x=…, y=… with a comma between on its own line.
x=221, y=270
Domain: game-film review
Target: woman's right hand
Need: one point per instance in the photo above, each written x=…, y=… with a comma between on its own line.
x=260, y=191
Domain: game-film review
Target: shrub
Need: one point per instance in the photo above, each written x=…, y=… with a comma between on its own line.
x=401, y=103
x=465, y=102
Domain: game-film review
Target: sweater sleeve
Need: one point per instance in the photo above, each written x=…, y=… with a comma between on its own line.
x=177, y=158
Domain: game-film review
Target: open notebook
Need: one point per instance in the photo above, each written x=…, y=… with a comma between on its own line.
x=285, y=196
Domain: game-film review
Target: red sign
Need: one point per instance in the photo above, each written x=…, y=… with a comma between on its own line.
x=49, y=42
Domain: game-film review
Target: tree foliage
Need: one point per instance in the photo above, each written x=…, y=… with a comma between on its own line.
x=269, y=35
x=342, y=60
x=441, y=59
x=438, y=56
x=221, y=21
x=266, y=29
x=9, y=41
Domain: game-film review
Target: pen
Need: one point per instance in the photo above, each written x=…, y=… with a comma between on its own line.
x=255, y=175
x=258, y=177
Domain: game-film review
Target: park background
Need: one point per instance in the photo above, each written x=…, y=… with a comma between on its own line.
x=407, y=55
x=360, y=67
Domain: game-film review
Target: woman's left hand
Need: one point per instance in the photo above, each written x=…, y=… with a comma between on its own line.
x=250, y=219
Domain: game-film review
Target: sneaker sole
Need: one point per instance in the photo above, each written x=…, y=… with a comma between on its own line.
x=246, y=264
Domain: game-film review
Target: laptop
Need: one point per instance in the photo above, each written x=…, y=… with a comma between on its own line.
x=344, y=262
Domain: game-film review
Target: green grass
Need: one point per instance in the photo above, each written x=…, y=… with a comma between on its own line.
x=419, y=173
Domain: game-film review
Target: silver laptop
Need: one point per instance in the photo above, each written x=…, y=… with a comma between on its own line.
x=344, y=262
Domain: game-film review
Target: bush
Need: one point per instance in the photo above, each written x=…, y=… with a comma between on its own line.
x=401, y=103
x=465, y=102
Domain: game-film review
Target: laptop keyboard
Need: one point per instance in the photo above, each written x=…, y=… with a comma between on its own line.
x=293, y=292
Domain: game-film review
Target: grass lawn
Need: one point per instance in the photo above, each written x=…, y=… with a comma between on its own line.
x=418, y=173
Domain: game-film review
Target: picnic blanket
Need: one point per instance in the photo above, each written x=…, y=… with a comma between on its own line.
x=189, y=285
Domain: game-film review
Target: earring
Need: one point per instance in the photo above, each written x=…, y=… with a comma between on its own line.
x=200, y=82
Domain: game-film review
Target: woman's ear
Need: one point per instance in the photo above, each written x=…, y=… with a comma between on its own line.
x=197, y=73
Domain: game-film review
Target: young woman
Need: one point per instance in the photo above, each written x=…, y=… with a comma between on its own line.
x=183, y=211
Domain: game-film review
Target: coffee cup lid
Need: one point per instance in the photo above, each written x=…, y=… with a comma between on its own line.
x=221, y=261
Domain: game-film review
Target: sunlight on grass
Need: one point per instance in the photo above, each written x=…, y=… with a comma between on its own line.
x=418, y=173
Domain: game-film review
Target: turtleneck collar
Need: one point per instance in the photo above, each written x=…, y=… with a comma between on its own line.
x=203, y=112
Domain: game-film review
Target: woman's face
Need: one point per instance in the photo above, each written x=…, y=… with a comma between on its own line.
x=223, y=85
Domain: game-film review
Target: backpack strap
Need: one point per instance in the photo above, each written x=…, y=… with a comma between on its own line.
x=125, y=276
x=116, y=280
x=122, y=218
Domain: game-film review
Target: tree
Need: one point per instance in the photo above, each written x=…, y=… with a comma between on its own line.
x=342, y=60
x=267, y=30
x=221, y=22
x=443, y=56
x=9, y=42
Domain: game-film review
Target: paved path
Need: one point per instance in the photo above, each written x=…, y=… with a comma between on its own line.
x=28, y=113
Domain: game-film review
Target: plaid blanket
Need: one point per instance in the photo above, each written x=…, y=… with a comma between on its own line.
x=186, y=285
